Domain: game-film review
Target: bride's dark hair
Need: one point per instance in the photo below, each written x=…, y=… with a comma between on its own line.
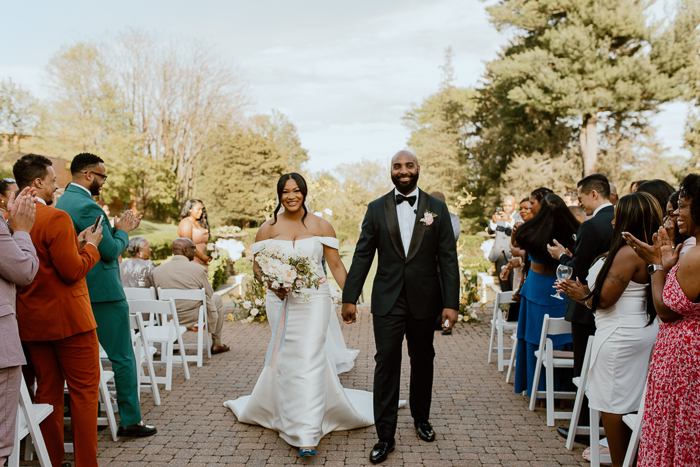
x=301, y=183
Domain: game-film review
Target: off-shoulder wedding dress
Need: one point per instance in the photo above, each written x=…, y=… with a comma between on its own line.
x=301, y=396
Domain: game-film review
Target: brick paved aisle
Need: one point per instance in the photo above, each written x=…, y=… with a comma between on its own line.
x=478, y=419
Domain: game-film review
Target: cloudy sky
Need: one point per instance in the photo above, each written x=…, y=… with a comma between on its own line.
x=343, y=72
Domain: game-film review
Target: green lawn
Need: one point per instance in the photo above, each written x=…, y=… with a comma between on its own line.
x=149, y=228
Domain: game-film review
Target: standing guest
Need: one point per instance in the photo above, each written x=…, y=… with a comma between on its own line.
x=105, y=286
x=613, y=195
x=502, y=224
x=578, y=213
x=671, y=225
x=105, y=208
x=55, y=319
x=670, y=435
x=7, y=186
x=625, y=320
x=195, y=226
x=517, y=264
x=571, y=198
x=525, y=210
x=453, y=217
x=506, y=214
x=137, y=271
x=659, y=189
x=536, y=197
x=18, y=266
x=634, y=186
x=183, y=273
x=592, y=240
x=553, y=222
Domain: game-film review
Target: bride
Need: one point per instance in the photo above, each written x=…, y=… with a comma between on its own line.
x=301, y=397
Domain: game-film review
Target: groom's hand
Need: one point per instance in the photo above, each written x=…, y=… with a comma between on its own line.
x=450, y=315
x=349, y=313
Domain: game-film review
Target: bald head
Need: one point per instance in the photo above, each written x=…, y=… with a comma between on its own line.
x=404, y=154
x=405, y=171
x=439, y=195
x=509, y=203
x=183, y=247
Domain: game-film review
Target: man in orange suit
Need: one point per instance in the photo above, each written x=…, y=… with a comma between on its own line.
x=55, y=318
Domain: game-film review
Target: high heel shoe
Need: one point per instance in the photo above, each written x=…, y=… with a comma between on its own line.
x=307, y=452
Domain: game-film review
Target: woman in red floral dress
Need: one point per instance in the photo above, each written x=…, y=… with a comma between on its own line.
x=671, y=426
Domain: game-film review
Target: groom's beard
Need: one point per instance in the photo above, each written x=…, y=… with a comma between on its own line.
x=406, y=187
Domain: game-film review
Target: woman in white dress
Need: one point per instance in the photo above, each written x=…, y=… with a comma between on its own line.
x=625, y=320
x=301, y=397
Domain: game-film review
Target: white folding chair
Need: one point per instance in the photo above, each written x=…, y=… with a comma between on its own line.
x=168, y=335
x=144, y=356
x=545, y=357
x=202, y=325
x=29, y=416
x=140, y=293
x=498, y=325
x=513, y=352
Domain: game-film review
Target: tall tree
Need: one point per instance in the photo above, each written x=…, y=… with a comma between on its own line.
x=18, y=113
x=279, y=129
x=581, y=60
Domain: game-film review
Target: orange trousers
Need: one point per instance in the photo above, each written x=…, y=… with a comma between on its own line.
x=73, y=360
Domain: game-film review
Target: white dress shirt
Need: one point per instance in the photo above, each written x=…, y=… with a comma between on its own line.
x=407, y=218
x=602, y=206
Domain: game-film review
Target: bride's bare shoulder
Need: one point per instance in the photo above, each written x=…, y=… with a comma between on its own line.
x=321, y=227
x=265, y=231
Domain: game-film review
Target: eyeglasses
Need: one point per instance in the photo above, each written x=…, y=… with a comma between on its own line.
x=103, y=176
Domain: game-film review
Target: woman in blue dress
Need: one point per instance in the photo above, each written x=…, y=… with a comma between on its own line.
x=554, y=221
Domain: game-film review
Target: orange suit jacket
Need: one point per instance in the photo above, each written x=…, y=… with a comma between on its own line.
x=56, y=304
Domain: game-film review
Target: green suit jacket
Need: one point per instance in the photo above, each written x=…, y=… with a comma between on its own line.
x=103, y=280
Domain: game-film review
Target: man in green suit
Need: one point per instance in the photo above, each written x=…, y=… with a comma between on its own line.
x=105, y=285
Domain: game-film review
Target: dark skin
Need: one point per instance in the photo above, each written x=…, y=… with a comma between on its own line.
x=626, y=266
x=184, y=230
x=184, y=247
x=404, y=170
x=663, y=252
x=5, y=197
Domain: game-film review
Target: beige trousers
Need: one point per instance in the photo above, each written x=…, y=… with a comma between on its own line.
x=10, y=382
x=215, y=318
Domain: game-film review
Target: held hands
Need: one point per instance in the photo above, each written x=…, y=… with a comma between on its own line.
x=22, y=210
x=88, y=236
x=128, y=222
x=349, y=313
x=449, y=315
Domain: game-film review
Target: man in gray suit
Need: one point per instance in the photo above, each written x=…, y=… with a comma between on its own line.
x=18, y=265
x=181, y=273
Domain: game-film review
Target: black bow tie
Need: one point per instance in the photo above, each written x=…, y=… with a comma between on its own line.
x=401, y=198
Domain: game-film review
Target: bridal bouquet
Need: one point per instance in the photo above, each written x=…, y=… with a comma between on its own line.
x=291, y=272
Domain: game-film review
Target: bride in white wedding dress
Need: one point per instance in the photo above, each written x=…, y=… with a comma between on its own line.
x=299, y=395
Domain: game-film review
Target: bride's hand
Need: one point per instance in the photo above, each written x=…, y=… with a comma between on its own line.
x=281, y=293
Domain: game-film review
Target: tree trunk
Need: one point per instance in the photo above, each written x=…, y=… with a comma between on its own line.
x=589, y=144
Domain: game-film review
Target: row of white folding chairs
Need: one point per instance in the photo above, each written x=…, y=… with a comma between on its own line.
x=203, y=341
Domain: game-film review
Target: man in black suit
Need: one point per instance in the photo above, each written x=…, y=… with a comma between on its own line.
x=593, y=239
x=413, y=235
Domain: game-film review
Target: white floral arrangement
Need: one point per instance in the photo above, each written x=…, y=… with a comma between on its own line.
x=293, y=273
x=227, y=229
x=327, y=212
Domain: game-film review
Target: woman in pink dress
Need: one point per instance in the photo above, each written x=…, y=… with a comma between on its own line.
x=195, y=226
x=671, y=426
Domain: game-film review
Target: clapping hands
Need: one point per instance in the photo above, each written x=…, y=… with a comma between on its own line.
x=22, y=210
x=662, y=251
x=128, y=222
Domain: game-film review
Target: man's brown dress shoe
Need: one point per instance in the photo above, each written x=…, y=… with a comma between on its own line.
x=220, y=348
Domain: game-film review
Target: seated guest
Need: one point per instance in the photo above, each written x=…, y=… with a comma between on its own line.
x=578, y=213
x=137, y=271
x=554, y=221
x=184, y=274
x=55, y=318
x=671, y=225
x=670, y=435
x=625, y=320
x=18, y=266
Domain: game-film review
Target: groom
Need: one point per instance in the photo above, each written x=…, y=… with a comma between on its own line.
x=412, y=232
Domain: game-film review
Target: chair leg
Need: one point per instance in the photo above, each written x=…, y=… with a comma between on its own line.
x=536, y=381
x=493, y=330
x=152, y=376
x=169, y=364
x=595, y=438
x=549, y=379
x=499, y=332
x=634, y=441
x=511, y=364
x=200, y=345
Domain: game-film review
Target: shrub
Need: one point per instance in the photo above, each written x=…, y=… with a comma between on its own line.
x=219, y=269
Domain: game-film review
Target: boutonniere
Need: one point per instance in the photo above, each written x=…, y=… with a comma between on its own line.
x=428, y=218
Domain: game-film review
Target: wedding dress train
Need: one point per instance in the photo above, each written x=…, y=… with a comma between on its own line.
x=301, y=397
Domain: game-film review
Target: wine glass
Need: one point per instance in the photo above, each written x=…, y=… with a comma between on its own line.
x=563, y=272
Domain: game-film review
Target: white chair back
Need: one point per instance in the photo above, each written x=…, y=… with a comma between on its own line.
x=203, y=341
x=140, y=293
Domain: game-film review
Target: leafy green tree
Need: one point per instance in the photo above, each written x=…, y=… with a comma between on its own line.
x=18, y=113
x=240, y=174
x=280, y=130
x=582, y=61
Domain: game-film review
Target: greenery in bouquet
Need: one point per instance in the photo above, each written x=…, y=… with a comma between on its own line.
x=296, y=272
x=252, y=300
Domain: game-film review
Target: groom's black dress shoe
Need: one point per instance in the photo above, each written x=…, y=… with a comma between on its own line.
x=425, y=432
x=136, y=431
x=582, y=439
x=380, y=451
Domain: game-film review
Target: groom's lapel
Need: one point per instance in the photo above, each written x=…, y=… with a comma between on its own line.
x=392, y=223
x=418, y=227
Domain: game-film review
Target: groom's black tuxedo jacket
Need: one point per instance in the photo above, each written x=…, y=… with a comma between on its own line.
x=431, y=246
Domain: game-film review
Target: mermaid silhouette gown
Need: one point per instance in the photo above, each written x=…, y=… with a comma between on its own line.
x=301, y=397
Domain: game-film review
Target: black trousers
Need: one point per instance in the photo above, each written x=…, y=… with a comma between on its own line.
x=579, y=335
x=507, y=285
x=389, y=331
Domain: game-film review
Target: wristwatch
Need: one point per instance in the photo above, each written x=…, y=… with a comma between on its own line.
x=652, y=268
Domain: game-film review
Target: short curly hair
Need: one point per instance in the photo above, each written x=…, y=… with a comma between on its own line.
x=134, y=245
x=690, y=189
